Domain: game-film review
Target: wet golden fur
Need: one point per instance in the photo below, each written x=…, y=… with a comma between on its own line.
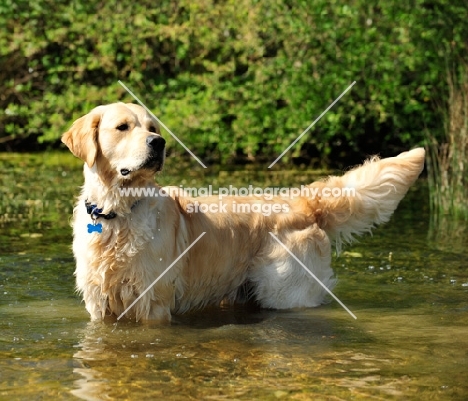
x=113, y=268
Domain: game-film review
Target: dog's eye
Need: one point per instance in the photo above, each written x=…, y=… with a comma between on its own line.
x=152, y=129
x=123, y=127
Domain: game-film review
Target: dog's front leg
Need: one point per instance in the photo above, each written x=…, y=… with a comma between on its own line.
x=158, y=314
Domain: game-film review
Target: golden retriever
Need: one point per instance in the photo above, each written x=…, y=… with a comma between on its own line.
x=123, y=244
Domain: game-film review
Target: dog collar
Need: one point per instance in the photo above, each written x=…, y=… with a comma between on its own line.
x=96, y=213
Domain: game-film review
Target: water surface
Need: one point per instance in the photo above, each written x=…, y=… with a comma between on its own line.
x=407, y=284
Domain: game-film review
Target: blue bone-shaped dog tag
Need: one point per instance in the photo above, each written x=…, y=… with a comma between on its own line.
x=95, y=228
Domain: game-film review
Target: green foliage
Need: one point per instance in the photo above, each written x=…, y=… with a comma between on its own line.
x=242, y=76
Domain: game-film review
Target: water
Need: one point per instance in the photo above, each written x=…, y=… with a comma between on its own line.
x=407, y=284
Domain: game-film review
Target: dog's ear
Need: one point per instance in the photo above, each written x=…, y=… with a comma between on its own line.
x=81, y=138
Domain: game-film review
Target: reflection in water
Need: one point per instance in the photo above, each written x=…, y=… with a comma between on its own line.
x=300, y=354
x=281, y=353
x=448, y=235
x=202, y=352
x=90, y=388
x=140, y=347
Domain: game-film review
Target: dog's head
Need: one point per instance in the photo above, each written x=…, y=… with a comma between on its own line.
x=121, y=141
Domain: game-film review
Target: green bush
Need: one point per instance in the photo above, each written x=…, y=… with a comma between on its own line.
x=234, y=78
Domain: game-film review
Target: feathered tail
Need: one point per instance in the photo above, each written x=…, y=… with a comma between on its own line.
x=368, y=194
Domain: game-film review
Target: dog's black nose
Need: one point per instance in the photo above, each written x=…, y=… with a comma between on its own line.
x=156, y=142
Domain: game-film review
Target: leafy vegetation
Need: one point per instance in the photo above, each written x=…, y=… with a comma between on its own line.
x=235, y=79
